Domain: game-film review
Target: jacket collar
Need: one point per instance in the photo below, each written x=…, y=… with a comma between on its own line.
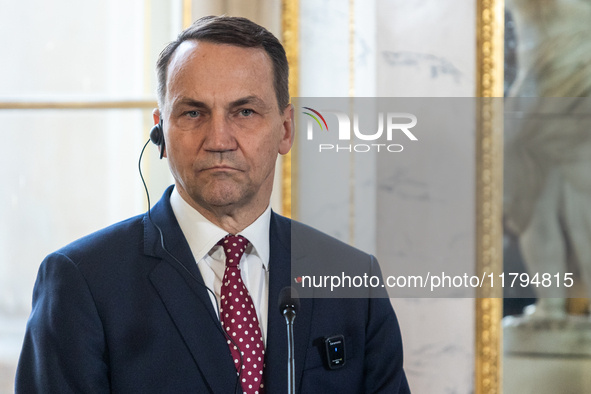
x=180, y=287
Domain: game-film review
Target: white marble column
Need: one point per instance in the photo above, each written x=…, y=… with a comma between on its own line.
x=402, y=49
x=428, y=49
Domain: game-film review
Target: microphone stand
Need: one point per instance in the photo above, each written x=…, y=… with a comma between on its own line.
x=289, y=304
x=290, y=315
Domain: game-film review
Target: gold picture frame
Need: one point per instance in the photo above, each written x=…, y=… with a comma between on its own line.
x=489, y=186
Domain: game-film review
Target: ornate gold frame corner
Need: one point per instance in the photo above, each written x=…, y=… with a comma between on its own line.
x=489, y=186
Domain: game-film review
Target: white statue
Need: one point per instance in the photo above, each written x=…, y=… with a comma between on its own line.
x=548, y=160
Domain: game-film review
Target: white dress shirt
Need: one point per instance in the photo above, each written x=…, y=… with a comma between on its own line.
x=203, y=236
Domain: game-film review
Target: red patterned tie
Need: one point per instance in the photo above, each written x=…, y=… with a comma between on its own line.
x=239, y=318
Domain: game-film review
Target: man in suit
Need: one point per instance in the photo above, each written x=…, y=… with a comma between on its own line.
x=146, y=305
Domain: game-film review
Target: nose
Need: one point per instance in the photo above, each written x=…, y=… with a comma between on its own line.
x=219, y=134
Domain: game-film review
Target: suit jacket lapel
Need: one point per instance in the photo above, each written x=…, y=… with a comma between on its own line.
x=280, y=275
x=180, y=286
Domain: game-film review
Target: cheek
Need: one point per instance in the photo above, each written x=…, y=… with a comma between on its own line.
x=181, y=146
x=259, y=156
x=267, y=157
x=268, y=146
x=180, y=161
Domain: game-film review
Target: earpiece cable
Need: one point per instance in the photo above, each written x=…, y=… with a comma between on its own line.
x=185, y=268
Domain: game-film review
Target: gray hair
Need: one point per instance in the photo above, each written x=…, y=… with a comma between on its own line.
x=233, y=31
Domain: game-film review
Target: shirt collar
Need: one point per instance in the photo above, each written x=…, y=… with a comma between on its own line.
x=258, y=235
x=202, y=235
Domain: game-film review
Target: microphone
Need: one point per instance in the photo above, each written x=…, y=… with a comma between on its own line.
x=289, y=304
x=289, y=301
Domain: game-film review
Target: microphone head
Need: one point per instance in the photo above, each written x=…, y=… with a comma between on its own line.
x=288, y=299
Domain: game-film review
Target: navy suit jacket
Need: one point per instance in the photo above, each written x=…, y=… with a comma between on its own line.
x=114, y=313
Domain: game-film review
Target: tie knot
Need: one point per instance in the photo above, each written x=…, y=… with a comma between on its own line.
x=234, y=247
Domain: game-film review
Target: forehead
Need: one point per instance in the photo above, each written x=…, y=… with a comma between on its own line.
x=203, y=70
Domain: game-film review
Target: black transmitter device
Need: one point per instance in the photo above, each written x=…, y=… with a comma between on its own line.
x=335, y=351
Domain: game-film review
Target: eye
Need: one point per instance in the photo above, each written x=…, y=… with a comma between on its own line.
x=193, y=114
x=246, y=112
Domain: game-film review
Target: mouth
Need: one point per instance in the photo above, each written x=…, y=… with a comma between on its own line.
x=222, y=168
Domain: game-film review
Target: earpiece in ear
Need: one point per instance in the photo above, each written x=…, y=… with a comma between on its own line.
x=157, y=137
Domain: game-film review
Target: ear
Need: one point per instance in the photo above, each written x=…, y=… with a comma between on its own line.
x=156, y=115
x=288, y=129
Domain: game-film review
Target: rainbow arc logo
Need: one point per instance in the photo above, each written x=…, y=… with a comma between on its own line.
x=387, y=124
x=315, y=118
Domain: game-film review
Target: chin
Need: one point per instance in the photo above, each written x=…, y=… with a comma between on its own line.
x=221, y=197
